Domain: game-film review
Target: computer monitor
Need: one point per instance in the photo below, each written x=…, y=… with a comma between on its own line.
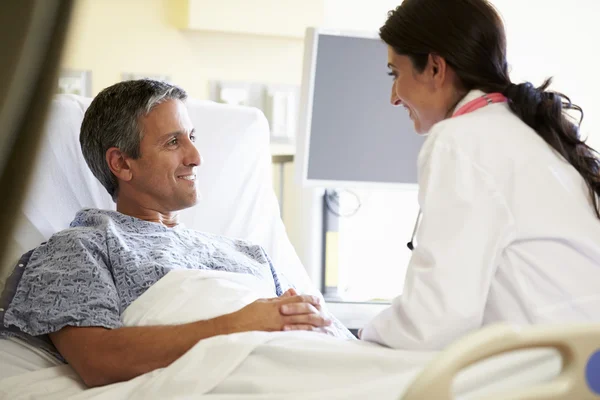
x=349, y=135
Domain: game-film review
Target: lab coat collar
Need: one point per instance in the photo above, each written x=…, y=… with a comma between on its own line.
x=472, y=95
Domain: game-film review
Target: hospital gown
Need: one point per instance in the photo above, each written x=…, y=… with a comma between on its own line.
x=89, y=274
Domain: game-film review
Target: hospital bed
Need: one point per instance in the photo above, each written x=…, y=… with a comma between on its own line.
x=238, y=200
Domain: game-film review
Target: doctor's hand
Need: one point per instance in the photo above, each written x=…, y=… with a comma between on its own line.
x=287, y=312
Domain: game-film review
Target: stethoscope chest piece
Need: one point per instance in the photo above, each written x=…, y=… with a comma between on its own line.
x=411, y=245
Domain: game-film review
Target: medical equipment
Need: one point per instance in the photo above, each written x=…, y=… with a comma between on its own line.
x=411, y=243
x=349, y=135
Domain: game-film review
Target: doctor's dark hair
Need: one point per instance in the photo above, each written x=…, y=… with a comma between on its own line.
x=113, y=120
x=470, y=36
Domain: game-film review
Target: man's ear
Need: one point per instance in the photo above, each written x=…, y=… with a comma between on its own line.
x=437, y=69
x=118, y=163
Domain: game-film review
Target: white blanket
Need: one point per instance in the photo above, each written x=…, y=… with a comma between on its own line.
x=250, y=365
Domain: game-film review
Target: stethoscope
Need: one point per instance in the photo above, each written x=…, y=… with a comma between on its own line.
x=410, y=244
x=467, y=108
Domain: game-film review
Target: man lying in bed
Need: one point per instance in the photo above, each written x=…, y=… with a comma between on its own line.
x=138, y=140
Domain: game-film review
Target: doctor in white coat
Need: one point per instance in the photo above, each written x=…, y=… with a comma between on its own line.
x=510, y=227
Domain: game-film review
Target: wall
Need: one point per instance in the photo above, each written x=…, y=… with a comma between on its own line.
x=556, y=38
x=114, y=36
x=357, y=15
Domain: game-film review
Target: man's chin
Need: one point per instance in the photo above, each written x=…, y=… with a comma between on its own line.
x=190, y=202
x=180, y=203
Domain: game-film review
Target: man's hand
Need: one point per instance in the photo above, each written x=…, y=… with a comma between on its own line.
x=290, y=311
x=289, y=293
x=328, y=330
x=103, y=356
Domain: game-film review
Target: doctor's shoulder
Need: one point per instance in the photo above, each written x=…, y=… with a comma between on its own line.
x=492, y=135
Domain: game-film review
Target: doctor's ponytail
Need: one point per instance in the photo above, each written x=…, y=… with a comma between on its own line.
x=469, y=35
x=544, y=112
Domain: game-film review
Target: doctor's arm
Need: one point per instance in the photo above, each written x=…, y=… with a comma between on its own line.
x=464, y=227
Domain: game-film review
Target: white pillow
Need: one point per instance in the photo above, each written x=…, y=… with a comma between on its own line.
x=19, y=357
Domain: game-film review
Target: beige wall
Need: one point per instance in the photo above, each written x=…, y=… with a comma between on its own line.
x=114, y=36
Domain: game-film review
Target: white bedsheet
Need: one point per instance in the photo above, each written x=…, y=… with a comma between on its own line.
x=255, y=365
x=17, y=357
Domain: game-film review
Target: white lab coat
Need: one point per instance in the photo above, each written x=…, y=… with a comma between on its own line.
x=508, y=233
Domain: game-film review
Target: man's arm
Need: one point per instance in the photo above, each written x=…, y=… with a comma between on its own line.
x=102, y=356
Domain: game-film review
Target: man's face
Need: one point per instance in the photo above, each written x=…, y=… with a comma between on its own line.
x=164, y=177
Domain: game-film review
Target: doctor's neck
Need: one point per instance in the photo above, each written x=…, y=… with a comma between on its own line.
x=457, y=97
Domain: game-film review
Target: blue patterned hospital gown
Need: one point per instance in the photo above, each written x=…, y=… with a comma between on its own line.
x=89, y=274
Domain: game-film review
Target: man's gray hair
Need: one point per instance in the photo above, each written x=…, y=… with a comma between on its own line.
x=113, y=120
